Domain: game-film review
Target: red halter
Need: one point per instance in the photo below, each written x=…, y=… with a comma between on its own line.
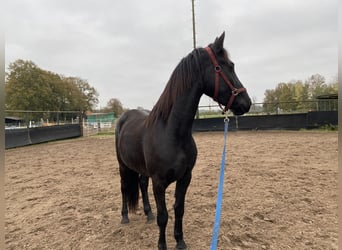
x=218, y=73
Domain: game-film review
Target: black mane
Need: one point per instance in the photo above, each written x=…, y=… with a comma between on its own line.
x=180, y=81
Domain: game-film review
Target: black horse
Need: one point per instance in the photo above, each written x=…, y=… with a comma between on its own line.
x=160, y=145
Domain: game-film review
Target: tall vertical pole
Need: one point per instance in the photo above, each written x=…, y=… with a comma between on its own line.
x=194, y=37
x=193, y=24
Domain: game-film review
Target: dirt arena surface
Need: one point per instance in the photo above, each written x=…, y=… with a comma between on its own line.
x=280, y=192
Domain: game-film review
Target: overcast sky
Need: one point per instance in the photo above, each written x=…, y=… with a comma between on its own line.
x=128, y=49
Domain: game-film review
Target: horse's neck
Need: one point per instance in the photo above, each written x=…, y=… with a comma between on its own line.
x=183, y=112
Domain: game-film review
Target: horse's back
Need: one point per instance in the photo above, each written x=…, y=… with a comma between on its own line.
x=131, y=116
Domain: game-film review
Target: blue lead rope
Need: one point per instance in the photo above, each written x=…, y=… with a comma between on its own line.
x=220, y=190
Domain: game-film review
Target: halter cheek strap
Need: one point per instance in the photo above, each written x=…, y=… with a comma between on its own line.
x=218, y=73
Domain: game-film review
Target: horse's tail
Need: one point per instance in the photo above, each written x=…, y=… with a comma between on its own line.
x=129, y=178
x=130, y=187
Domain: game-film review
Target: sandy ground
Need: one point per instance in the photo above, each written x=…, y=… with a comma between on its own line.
x=280, y=192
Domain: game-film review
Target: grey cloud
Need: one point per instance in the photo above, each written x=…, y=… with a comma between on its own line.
x=129, y=49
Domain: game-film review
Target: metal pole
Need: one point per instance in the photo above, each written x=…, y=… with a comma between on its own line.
x=194, y=37
x=193, y=24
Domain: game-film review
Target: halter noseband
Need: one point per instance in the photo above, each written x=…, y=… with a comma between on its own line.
x=218, y=73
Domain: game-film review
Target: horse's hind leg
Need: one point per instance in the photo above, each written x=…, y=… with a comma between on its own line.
x=124, y=209
x=181, y=188
x=144, y=193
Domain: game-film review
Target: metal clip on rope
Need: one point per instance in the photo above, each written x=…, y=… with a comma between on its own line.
x=226, y=119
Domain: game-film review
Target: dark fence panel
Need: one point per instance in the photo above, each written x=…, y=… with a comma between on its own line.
x=16, y=138
x=23, y=137
x=317, y=119
x=267, y=122
x=208, y=124
x=52, y=133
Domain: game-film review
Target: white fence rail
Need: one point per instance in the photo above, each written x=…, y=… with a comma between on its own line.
x=94, y=128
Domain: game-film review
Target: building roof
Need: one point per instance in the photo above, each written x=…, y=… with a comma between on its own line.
x=328, y=96
x=13, y=118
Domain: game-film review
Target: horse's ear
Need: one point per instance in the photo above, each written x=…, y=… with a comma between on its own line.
x=218, y=44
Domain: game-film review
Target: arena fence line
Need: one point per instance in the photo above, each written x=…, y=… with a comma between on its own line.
x=310, y=120
x=31, y=127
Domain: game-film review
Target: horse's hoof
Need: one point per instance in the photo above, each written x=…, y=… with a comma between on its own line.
x=124, y=220
x=181, y=245
x=150, y=217
x=162, y=247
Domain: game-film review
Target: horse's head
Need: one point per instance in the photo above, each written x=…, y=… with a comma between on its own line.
x=221, y=82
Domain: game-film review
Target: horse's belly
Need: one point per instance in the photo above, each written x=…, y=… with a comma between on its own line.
x=131, y=155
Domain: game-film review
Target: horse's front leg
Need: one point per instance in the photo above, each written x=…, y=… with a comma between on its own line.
x=144, y=193
x=181, y=188
x=162, y=215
